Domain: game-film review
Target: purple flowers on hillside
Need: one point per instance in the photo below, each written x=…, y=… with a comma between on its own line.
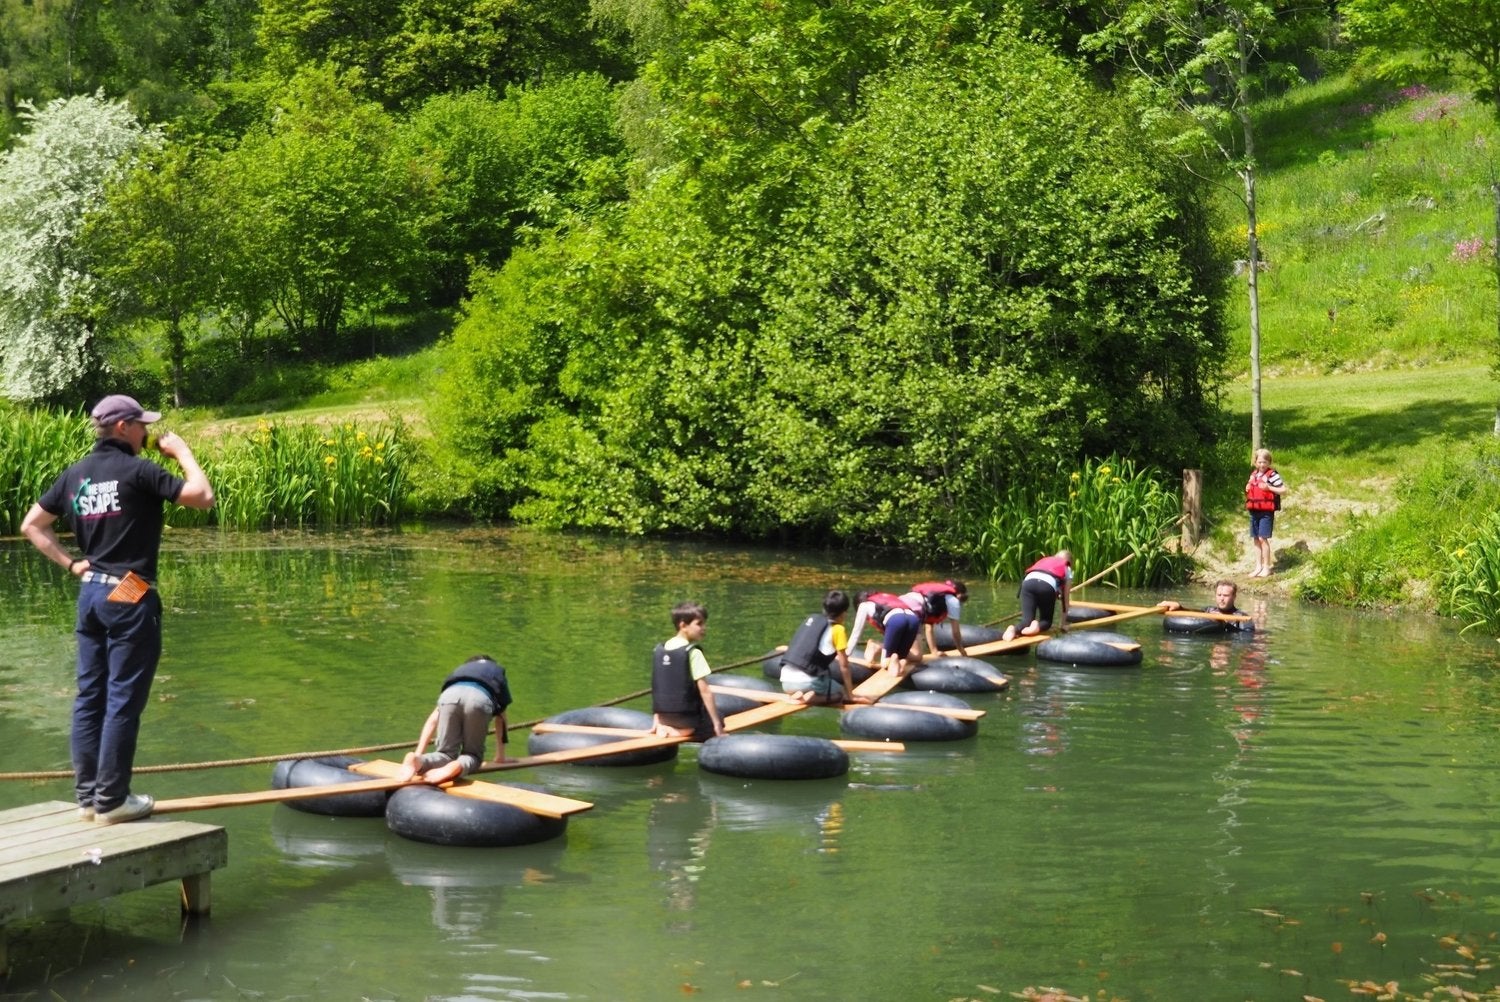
x=1475, y=249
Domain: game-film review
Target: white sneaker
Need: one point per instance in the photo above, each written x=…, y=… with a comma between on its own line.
x=85, y=813
x=134, y=807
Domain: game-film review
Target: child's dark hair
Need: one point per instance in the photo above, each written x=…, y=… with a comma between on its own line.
x=688, y=612
x=863, y=596
x=960, y=590
x=835, y=603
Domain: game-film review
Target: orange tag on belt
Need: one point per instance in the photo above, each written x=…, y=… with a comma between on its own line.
x=131, y=589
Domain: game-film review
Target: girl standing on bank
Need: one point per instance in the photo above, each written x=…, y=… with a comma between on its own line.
x=1263, y=500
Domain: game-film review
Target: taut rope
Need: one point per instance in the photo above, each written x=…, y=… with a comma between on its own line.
x=226, y=763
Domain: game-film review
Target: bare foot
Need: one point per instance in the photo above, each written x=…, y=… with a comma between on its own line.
x=1009, y=634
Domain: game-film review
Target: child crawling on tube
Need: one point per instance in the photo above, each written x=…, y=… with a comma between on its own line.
x=474, y=694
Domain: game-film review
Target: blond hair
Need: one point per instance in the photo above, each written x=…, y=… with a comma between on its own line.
x=1261, y=454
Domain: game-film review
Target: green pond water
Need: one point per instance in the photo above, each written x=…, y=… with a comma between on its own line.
x=1262, y=819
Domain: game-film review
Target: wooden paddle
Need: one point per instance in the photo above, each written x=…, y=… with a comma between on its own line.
x=272, y=796
x=733, y=722
x=532, y=801
x=1225, y=617
x=956, y=712
x=625, y=732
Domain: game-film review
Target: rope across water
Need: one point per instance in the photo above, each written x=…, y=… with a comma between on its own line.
x=364, y=750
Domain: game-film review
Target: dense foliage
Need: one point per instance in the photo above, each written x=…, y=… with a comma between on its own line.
x=980, y=272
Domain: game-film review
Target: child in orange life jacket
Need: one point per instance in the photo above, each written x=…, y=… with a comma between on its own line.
x=681, y=701
x=1262, y=499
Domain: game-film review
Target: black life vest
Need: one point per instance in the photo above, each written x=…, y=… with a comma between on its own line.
x=935, y=599
x=803, y=653
x=672, y=687
x=487, y=675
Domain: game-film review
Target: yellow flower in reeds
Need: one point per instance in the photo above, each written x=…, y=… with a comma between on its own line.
x=379, y=446
x=1075, y=476
x=366, y=452
x=330, y=460
x=359, y=436
x=379, y=461
x=1116, y=480
x=1104, y=470
x=329, y=441
x=1459, y=553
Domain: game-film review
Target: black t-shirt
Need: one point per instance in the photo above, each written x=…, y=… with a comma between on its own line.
x=113, y=499
x=487, y=674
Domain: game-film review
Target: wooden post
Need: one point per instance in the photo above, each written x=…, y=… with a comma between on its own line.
x=197, y=896
x=1192, y=507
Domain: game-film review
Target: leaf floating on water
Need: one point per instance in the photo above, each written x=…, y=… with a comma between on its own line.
x=1378, y=939
x=1311, y=998
x=1336, y=946
x=746, y=983
x=1267, y=912
x=688, y=988
x=987, y=988
x=1292, y=972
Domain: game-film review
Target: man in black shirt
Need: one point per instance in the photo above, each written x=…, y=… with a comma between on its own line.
x=112, y=499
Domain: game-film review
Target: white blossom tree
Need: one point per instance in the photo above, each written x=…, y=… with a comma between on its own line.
x=50, y=180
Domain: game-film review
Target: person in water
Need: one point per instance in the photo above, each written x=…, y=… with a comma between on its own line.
x=807, y=665
x=1225, y=594
x=682, y=703
x=1046, y=581
x=473, y=694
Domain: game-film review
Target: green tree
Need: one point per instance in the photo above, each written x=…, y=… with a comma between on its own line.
x=154, y=245
x=502, y=167
x=981, y=271
x=50, y=181
x=333, y=217
x=408, y=51
x=1197, y=69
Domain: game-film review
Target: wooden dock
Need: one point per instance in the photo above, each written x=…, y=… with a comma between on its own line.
x=49, y=859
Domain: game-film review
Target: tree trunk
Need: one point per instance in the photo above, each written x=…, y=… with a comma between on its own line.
x=1252, y=263
x=1495, y=259
x=1252, y=268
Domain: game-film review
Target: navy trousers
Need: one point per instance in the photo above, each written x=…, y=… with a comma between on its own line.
x=119, y=644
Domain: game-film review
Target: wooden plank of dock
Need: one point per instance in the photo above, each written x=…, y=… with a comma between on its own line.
x=49, y=859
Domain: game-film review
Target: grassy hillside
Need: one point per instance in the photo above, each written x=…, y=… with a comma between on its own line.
x=1375, y=216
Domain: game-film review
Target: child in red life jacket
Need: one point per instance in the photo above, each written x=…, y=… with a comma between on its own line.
x=1046, y=582
x=1262, y=500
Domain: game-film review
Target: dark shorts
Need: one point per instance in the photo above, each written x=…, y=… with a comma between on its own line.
x=901, y=629
x=1261, y=524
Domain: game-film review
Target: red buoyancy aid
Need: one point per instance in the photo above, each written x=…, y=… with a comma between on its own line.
x=1258, y=493
x=1054, y=566
x=885, y=603
x=934, y=599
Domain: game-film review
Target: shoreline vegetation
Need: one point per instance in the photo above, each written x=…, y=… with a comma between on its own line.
x=1376, y=301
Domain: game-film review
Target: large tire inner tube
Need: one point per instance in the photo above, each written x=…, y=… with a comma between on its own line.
x=293, y=774
x=973, y=634
x=426, y=814
x=1090, y=647
x=1202, y=625
x=773, y=756
x=959, y=674
x=1086, y=614
x=888, y=721
x=601, y=716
